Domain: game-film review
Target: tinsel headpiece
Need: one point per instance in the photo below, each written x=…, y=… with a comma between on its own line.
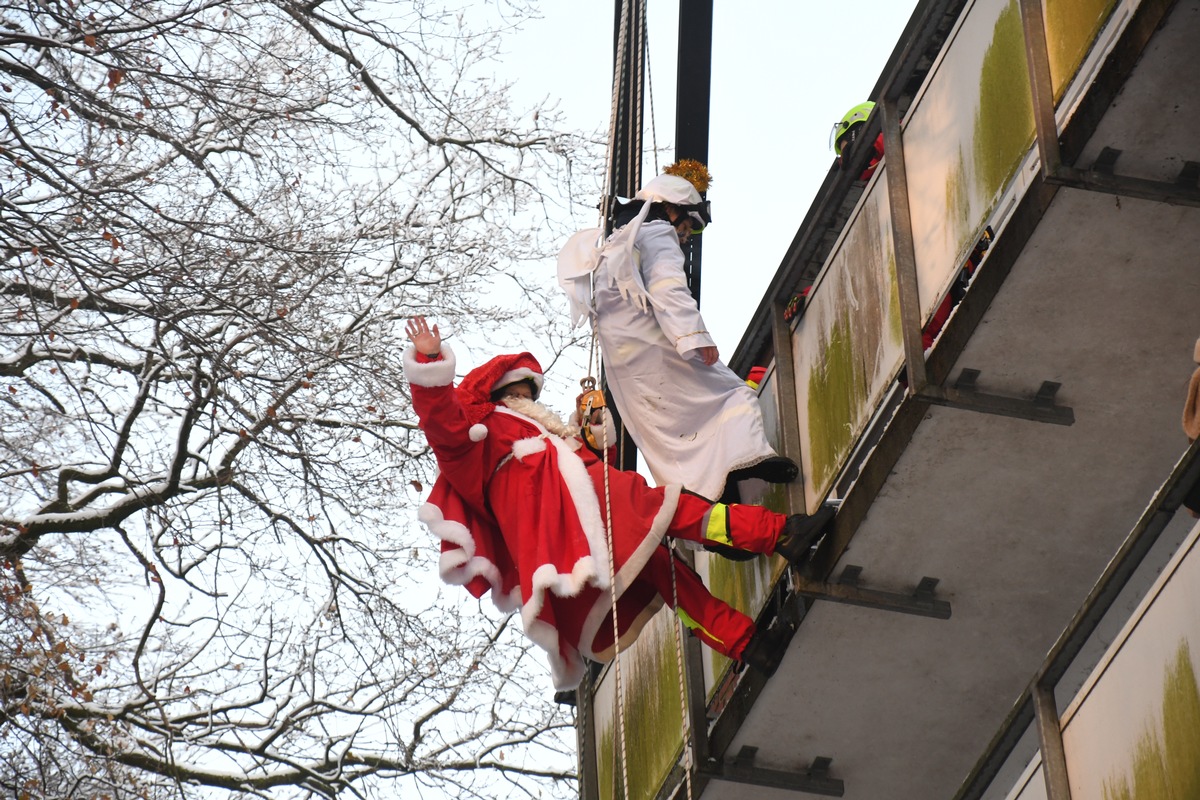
x=692, y=171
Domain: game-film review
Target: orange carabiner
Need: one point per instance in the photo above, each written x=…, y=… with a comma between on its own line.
x=590, y=400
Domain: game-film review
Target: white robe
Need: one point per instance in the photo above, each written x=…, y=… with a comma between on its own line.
x=693, y=423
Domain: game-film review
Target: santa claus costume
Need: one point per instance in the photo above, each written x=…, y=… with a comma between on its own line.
x=520, y=511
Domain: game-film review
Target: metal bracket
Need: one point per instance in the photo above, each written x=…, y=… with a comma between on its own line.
x=1189, y=176
x=1101, y=177
x=741, y=769
x=922, y=602
x=964, y=395
x=1104, y=163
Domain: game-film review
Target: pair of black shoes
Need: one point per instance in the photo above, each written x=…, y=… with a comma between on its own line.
x=800, y=534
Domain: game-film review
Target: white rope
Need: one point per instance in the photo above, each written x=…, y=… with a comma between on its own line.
x=640, y=44
x=683, y=709
x=650, y=90
x=610, y=158
x=686, y=722
x=594, y=357
x=610, y=152
x=612, y=582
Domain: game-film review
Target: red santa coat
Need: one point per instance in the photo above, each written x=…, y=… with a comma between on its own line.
x=519, y=511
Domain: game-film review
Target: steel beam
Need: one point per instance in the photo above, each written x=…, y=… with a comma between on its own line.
x=905, y=251
x=964, y=395
x=787, y=409
x=813, y=780
x=1175, y=193
x=1054, y=757
x=921, y=602
x=693, y=81
x=1037, y=58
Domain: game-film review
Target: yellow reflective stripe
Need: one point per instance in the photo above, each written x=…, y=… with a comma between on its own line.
x=692, y=625
x=716, y=527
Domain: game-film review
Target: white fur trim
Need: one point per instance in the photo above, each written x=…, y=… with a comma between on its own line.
x=605, y=433
x=543, y=417
x=434, y=373
x=565, y=671
x=627, y=638
x=658, y=529
x=587, y=506
x=478, y=432
x=632, y=567
x=459, y=567
x=527, y=447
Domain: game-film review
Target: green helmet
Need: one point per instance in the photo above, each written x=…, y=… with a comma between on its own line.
x=839, y=136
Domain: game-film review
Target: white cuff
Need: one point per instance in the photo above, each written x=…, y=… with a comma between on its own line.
x=434, y=373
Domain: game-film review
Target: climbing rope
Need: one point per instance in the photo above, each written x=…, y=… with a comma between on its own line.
x=642, y=43
x=605, y=210
x=686, y=721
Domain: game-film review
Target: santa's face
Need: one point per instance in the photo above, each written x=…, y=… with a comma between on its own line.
x=520, y=389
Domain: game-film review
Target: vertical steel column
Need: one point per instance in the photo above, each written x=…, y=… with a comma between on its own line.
x=1054, y=758
x=902, y=242
x=693, y=82
x=627, y=147
x=627, y=152
x=585, y=737
x=788, y=409
x=1037, y=56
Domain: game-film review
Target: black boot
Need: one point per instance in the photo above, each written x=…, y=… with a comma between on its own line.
x=801, y=532
x=776, y=469
x=730, y=552
x=765, y=650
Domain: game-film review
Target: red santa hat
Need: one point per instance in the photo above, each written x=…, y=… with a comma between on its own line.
x=475, y=391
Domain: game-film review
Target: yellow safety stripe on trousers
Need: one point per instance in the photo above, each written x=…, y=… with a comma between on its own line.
x=692, y=625
x=716, y=525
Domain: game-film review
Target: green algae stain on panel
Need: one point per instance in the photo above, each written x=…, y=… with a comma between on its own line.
x=895, y=320
x=894, y=327
x=1181, y=725
x=733, y=582
x=739, y=583
x=653, y=721
x=1071, y=27
x=958, y=206
x=1165, y=762
x=1004, y=119
x=654, y=735
x=608, y=772
x=837, y=388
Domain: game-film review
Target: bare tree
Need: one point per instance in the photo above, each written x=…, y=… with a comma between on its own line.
x=214, y=215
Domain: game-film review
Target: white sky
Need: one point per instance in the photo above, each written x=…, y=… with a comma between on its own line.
x=783, y=72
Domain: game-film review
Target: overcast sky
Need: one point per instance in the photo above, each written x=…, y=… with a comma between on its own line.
x=783, y=72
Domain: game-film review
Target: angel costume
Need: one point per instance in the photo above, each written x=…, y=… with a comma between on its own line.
x=694, y=424
x=520, y=511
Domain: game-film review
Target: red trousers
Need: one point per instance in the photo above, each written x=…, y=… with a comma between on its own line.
x=752, y=528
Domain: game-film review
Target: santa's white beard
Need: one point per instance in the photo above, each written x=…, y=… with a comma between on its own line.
x=542, y=415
